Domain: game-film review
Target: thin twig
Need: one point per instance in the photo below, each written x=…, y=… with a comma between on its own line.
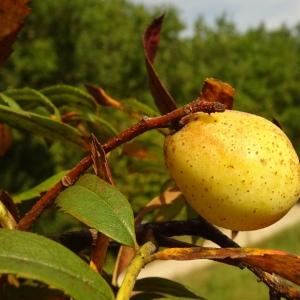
x=99, y=252
x=142, y=126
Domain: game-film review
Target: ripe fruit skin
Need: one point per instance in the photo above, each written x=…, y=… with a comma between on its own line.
x=237, y=170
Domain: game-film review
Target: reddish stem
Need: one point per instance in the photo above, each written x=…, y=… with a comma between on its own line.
x=123, y=137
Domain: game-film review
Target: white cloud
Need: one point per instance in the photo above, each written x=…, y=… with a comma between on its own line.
x=244, y=13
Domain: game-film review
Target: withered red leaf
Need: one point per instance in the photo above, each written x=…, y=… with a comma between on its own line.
x=12, y=16
x=162, y=97
x=278, y=262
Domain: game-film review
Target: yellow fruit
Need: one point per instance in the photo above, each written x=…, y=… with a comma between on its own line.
x=237, y=170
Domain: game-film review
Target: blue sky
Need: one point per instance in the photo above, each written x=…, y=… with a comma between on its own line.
x=245, y=14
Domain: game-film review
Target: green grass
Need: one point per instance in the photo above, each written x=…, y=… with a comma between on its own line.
x=223, y=282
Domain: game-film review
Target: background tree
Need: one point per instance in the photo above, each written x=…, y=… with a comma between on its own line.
x=81, y=136
x=99, y=42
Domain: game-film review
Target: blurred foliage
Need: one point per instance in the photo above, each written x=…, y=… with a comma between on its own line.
x=99, y=42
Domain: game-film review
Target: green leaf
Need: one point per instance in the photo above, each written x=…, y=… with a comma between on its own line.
x=65, y=94
x=101, y=206
x=166, y=287
x=32, y=98
x=40, y=188
x=32, y=256
x=9, y=101
x=40, y=125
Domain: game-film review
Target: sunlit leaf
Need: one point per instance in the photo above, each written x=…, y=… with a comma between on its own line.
x=163, y=99
x=49, y=262
x=4, y=99
x=101, y=206
x=37, y=190
x=41, y=125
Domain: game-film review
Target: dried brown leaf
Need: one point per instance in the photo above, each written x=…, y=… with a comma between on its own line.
x=162, y=97
x=100, y=163
x=215, y=90
x=12, y=16
x=167, y=197
x=6, y=218
x=102, y=97
x=125, y=255
x=10, y=205
x=279, y=262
